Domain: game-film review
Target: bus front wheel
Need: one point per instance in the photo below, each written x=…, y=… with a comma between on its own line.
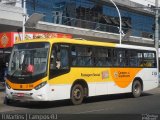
x=136, y=88
x=77, y=94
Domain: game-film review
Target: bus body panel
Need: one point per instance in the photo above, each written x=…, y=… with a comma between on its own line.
x=150, y=78
x=60, y=91
x=99, y=83
x=114, y=89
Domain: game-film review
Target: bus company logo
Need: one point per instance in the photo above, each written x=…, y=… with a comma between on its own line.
x=4, y=40
x=105, y=74
x=116, y=74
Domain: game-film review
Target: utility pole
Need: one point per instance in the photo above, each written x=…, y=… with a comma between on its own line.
x=24, y=19
x=157, y=30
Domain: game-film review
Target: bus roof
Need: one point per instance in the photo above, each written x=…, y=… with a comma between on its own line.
x=86, y=42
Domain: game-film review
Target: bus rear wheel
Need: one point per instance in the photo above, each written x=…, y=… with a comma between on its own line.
x=77, y=94
x=136, y=89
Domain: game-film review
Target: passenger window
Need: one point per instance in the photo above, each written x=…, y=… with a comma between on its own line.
x=133, y=59
x=59, y=60
x=64, y=62
x=73, y=55
x=140, y=59
x=103, y=57
x=52, y=60
x=149, y=59
x=81, y=56
x=119, y=57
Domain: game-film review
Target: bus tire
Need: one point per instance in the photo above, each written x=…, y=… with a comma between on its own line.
x=77, y=94
x=136, y=89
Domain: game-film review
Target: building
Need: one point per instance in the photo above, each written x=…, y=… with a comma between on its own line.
x=145, y=2
x=93, y=15
x=88, y=19
x=93, y=19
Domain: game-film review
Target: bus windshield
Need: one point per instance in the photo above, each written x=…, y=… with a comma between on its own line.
x=28, y=59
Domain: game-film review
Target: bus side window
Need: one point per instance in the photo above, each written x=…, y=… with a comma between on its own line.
x=140, y=59
x=133, y=59
x=61, y=57
x=64, y=61
x=55, y=58
x=59, y=60
x=52, y=60
x=149, y=58
x=73, y=55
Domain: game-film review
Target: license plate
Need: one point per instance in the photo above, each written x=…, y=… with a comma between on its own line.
x=20, y=94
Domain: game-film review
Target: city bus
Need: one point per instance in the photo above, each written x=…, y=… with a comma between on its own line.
x=62, y=68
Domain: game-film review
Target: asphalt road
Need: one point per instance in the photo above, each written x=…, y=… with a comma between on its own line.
x=148, y=103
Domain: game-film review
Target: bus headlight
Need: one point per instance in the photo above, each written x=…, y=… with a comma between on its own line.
x=40, y=85
x=7, y=85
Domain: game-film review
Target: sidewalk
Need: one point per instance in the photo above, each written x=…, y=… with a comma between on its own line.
x=2, y=94
x=2, y=85
x=2, y=90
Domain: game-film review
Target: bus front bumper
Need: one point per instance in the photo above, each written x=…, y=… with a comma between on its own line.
x=32, y=95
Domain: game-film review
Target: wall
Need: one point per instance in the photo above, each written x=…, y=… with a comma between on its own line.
x=144, y=2
x=10, y=12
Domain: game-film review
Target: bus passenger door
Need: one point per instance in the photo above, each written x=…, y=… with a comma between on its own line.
x=59, y=60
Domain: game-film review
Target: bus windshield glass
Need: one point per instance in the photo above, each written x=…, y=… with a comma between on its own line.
x=28, y=59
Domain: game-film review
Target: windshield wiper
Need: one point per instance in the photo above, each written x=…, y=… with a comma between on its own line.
x=14, y=72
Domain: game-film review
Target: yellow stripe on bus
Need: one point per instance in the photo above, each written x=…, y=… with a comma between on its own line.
x=121, y=76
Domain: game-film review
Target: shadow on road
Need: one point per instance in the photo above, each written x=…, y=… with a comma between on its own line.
x=62, y=103
x=113, y=97
x=41, y=105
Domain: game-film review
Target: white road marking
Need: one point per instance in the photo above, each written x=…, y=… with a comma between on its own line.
x=90, y=111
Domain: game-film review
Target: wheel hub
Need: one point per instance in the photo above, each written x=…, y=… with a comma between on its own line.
x=136, y=89
x=77, y=94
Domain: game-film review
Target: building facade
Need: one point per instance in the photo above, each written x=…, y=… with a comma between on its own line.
x=93, y=14
x=145, y=2
x=93, y=18
x=89, y=19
